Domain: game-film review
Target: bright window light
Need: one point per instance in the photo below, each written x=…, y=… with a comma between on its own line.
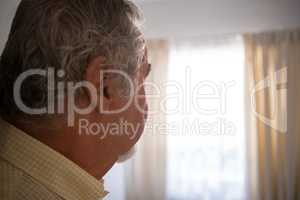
x=206, y=152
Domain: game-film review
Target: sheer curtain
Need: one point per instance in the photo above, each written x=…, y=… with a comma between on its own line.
x=206, y=151
x=146, y=172
x=273, y=65
x=175, y=159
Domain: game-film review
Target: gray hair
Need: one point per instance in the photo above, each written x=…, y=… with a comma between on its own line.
x=65, y=34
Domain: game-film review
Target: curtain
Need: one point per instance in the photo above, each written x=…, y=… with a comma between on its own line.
x=145, y=173
x=206, y=160
x=273, y=96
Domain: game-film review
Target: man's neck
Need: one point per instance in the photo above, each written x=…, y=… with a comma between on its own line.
x=89, y=153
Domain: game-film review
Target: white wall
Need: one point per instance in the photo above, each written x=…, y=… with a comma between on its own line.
x=177, y=18
x=7, y=10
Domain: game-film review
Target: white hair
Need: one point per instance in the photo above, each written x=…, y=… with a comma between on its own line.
x=65, y=34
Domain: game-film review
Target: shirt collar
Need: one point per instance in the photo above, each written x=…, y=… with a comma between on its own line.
x=50, y=168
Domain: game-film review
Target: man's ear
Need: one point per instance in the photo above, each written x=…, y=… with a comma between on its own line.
x=96, y=76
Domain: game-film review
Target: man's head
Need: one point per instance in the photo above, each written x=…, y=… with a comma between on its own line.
x=93, y=48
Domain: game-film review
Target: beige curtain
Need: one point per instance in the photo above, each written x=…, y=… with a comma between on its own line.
x=146, y=173
x=273, y=69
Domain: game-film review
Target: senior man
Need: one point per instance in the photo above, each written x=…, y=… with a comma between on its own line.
x=71, y=75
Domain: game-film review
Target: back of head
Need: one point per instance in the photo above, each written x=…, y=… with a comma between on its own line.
x=64, y=34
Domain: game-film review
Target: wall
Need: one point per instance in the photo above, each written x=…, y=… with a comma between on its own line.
x=7, y=10
x=178, y=18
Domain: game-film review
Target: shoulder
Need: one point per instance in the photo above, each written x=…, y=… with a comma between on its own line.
x=16, y=185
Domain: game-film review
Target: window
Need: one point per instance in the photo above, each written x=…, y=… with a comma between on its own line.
x=206, y=147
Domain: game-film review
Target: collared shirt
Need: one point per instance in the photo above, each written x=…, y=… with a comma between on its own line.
x=30, y=170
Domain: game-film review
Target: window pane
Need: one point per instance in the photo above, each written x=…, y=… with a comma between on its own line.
x=206, y=148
